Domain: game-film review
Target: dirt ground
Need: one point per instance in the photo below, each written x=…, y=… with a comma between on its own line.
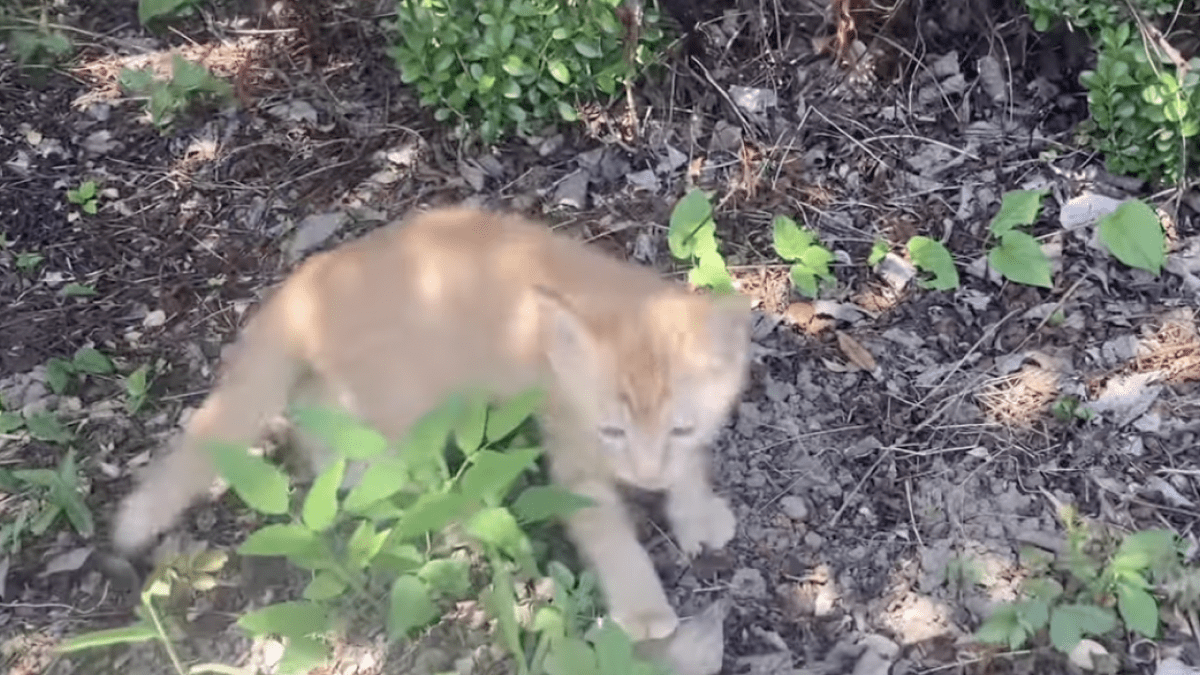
x=890, y=434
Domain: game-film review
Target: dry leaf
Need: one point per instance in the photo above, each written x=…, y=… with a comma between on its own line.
x=858, y=354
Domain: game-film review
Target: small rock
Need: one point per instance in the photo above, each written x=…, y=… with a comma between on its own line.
x=748, y=583
x=795, y=507
x=753, y=100
x=573, y=190
x=813, y=540
x=1085, y=651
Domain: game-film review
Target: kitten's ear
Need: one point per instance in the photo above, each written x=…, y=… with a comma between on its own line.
x=729, y=326
x=569, y=344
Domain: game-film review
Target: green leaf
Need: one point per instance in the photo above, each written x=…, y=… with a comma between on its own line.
x=138, y=632
x=492, y=472
x=343, y=432
x=58, y=374
x=301, y=655
x=283, y=539
x=67, y=496
x=410, y=606
x=541, y=502
x=468, y=432
x=44, y=426
x=817, y=259
x=432, y=511
x=505, y=419
x=614, y=650
x=497, y=527
x=572, y=656
x=1021, y=260
x=289, y=619
x=499, y=600
x=89, y=360
x=1069, y=623
x=149, y=10
x=804, y=280
x=1138, y=608
x=559, y=71
x=879, y=251
x=75, y=290
x=1002, y=628
x=320, y=505
x=262, y=486
x=790, y=240
x=710, y=272
x=1017, y=207
x=588, y=48
x=365, y=544
x=1134, y=235
x=1145, y=549
x=325, y=585
x=451, y=576
x=931, y=256
x=689, y=215
x=10, y=422
x=383, y=478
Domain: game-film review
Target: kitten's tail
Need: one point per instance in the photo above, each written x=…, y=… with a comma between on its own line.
x=254, y=387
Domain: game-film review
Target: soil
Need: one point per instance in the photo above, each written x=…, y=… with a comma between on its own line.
x=897, y=446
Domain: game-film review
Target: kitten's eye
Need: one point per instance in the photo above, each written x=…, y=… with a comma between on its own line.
x=612, y=433
x=681, y=432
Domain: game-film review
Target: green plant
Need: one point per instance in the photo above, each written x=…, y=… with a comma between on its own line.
x=1018, y=256
x=692, y=238
x=1145, y=106
x=1134, y=235
x=406, y=537
x=169, y=580
x=190, y=83
x=37, y=45
x=49, y=493
x=810, y=260
x=86, y=196
x=500, y=65
x=1092, y=582
x=153, y=11
x=29, y=260
x=933, y=257
x=87, y=361
x=137, y=388
x=1069, y=408
x=879, y=251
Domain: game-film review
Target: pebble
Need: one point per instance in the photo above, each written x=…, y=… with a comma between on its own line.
x=748, y=582
x=794, y=507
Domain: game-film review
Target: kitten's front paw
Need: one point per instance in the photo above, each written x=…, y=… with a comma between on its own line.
x=648, y=623
x=713, y=525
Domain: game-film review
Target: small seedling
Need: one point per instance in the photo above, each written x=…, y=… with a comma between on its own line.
x=77, y=290
x=137, y=387
x=59, y=492
x=1018, y=256
x=87, y=361
x=692, y=238
x=28, y=262
x=879, y=251
x=37, y=47
x=86, y=196
x=166, y=99
x=1069, y=408
x=810, y=260
x=930, y=255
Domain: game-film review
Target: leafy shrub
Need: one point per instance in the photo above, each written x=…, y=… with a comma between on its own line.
x=1145, y=108
x=500, y=65
x=404, y=540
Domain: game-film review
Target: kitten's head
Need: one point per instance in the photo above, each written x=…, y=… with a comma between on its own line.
x=651, y=384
